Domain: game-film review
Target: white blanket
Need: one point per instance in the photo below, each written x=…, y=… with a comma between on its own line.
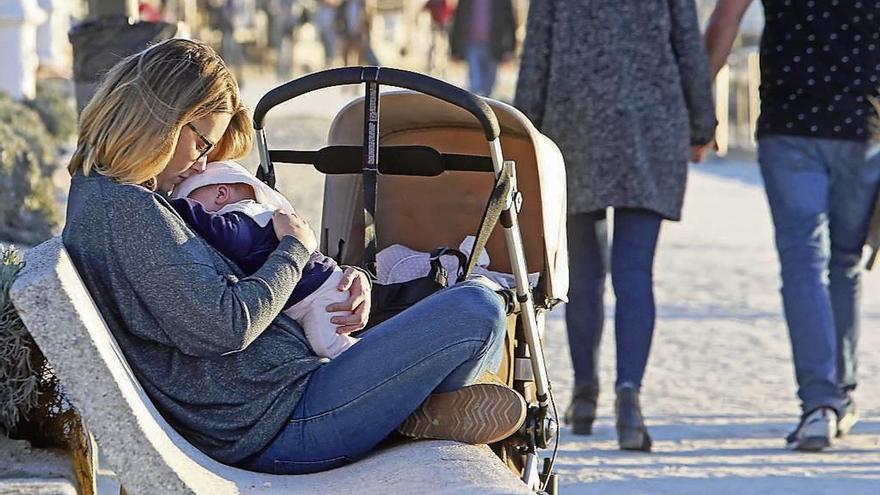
x=398, y=263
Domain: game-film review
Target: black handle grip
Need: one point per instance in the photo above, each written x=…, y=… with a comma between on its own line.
x=386, y=77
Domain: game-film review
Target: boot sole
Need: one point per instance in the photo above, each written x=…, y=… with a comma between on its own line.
x=811, y=444
x=476, y=414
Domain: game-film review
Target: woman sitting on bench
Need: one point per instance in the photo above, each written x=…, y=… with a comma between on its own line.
x=207, y=343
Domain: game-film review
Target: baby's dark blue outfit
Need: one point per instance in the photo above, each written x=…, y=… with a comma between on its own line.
x=241, y=239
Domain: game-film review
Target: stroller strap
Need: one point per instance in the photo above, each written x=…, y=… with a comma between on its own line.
x=370, y=170
x=393, y=160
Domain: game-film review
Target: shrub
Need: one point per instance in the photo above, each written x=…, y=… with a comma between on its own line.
x=29, y=212
x=56, y=110
x=18, y=378
x=27, y=124
x=31, y=403
x=31, y=134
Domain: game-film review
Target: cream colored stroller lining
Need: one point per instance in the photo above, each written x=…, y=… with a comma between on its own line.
x=423, y=213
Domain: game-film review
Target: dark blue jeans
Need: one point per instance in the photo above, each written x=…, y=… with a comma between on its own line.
x=632, y=263
x=353, y=402
x=821, y=194
x=482, y=68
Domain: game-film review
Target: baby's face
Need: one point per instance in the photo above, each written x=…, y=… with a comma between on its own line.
x=216, y=196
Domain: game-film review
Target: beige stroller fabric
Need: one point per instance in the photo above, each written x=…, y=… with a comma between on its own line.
x=427, y=212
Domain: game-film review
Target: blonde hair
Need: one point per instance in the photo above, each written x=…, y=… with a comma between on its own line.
x=129, y=129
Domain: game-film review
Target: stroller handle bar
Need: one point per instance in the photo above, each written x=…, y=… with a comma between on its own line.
x=386, y=77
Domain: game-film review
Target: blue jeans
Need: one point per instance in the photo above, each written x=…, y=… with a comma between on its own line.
x=353, y=402
x=482, y=68
x=632, y=263
x=821, y=194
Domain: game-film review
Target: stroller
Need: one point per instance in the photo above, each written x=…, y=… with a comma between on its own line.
x=419, y=176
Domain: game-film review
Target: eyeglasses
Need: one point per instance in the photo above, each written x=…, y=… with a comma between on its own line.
x=207, y=142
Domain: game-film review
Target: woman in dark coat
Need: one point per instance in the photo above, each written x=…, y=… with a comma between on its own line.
x=624, y=90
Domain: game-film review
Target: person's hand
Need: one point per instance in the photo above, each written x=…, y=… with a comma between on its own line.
x=358, y=303
x=698, y=153
x=293, y=225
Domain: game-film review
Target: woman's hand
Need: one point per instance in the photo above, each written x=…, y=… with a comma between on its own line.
x=358, y=303
x=698, y=153
x=293, y=225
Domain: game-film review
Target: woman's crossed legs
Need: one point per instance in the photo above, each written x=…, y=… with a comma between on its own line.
x=353, y=402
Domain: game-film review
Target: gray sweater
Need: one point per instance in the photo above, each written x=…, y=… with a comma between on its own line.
x=207, y=344
x=623, y=88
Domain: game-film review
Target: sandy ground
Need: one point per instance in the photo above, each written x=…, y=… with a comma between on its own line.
x=719, y=393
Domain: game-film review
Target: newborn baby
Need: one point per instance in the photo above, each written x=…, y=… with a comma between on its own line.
x=232, y=210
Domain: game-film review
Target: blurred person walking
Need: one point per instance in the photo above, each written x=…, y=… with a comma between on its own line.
x=624, y=90
x=820, y=64
x=441, y=12
x=326, y=22
x=483, y=34
x=285, y=18
x=232, y=17
x=357, y=21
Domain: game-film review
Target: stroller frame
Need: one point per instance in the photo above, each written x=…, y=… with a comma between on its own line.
x=541, y=426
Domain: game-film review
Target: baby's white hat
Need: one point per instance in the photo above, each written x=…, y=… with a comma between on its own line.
x=229, y=172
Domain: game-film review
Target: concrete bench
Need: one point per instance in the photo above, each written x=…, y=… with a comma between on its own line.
x=149, y=457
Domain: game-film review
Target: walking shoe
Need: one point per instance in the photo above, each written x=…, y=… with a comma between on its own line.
x=486, y=412
x=815, y=431
x=849, y=418
x=631, y=431
x=581, y=413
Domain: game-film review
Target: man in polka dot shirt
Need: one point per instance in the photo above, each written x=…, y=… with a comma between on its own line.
x=820, y=64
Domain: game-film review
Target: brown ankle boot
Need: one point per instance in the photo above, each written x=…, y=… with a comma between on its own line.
x=485, y=412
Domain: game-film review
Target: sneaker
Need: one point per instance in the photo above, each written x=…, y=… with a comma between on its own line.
x=849, y=419
x=815, y=431
x=486, y=412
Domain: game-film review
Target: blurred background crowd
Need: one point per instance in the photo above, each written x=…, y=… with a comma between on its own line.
x=292, y=37
x=282, y=39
